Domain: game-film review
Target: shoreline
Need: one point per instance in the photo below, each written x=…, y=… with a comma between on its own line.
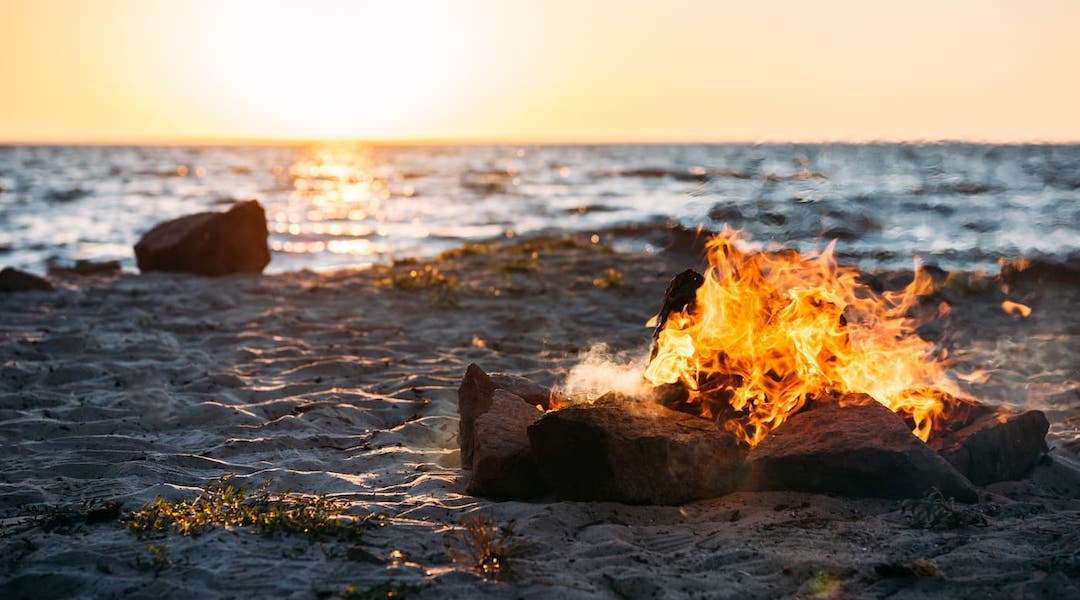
x=344, y=383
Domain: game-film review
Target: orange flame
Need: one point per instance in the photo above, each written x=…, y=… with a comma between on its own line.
x=769, y=330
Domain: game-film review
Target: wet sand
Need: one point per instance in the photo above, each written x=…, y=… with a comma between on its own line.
x=344, y=383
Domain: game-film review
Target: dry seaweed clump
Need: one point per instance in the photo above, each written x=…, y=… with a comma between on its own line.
x=224, y=505
x=935, y=511
x=482, y=545
x=610, y=278
x=410, y=276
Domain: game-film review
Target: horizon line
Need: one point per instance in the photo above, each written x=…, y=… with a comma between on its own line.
x=521, y=141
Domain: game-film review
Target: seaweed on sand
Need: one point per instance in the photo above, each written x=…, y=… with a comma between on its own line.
x=223, y=505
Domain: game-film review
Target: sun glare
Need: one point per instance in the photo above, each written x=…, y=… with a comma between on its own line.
x=347, y=70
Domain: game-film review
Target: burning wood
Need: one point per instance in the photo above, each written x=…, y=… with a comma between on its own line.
x=780, y=366
x=768, y=330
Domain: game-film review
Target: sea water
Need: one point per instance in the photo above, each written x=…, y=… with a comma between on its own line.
x=960, y=206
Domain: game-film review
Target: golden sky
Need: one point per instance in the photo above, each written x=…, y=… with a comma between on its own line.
x=544, y=70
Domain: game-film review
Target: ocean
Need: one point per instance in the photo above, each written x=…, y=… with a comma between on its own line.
x=959, y=206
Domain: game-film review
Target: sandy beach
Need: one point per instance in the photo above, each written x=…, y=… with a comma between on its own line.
x=123, y=388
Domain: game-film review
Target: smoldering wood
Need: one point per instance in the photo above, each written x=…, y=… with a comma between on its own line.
x=634, y=452
x=854, y=447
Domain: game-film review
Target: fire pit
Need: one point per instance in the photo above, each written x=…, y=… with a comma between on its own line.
x=771, y=370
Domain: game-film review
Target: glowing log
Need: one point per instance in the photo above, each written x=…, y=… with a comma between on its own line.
x=852, y=447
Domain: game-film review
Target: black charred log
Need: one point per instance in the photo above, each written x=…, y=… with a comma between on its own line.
x=680, y=295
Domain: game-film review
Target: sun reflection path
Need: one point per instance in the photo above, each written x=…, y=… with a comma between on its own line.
x=335, y=204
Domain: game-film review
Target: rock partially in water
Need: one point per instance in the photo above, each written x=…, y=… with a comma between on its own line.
x=636, y=453
x=83, y=268
x=855, y=447
x=14, y=280
x=208, y=243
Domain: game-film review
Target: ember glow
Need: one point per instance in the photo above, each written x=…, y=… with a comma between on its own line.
x=768, y=330
x=1015, y=308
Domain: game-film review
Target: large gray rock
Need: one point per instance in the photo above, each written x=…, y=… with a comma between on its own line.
x=999, y=445
x=14, y=280
x=634, y=452
x=208, y=243
x=855, y=447
x=503, y=465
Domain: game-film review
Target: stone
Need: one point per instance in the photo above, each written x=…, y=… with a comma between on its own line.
x=14, y=280
x=635, y=453
x=998, y=445
x=474, y=399
x=83, y=268
x=208, y=243
x=528, y=390
x=854, y=447
x=1039, y=271
x=503, y=467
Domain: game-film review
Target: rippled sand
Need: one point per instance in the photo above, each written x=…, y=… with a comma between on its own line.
x=345, y=384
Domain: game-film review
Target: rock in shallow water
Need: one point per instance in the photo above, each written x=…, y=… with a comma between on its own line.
x=634, y=452
x=503, y=465
x=858, y=449
x=14, y=280
x=208, y=243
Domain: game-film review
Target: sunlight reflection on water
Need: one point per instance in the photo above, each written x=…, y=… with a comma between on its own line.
x=344, y=204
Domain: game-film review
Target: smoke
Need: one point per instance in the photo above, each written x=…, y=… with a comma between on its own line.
x=600, y=371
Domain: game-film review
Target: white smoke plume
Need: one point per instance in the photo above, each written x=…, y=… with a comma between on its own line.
x=600, y=371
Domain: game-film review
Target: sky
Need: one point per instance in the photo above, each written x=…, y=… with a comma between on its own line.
x=539, y=71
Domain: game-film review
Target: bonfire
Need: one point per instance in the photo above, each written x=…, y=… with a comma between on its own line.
x=770, y=370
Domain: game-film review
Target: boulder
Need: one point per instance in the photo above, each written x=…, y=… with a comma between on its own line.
x=14, y=280
x=528, y=390
x=998, y=445
x=855, y=447
x=474, y=399
x=503, y=465
x=208, y=243
x=634, y=452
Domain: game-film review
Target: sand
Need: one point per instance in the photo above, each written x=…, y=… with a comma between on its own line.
x=344, y=383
